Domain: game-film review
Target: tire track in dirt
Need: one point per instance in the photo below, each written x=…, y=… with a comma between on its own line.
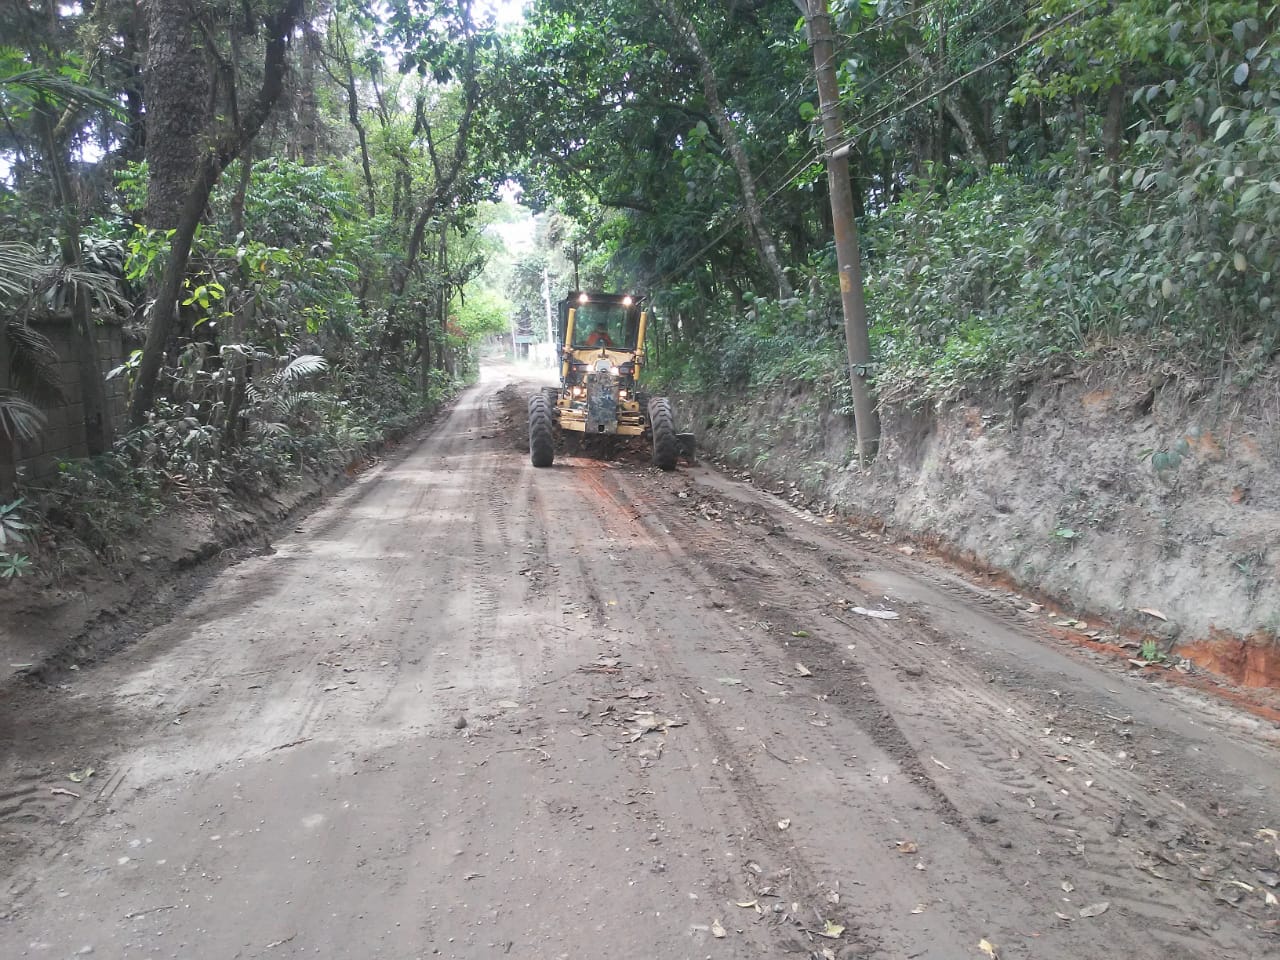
x=895, y=741
x=727, y=785
x=808, y=866
x=1024, y=774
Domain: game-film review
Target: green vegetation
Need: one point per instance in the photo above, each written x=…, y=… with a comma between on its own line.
x=1125, y=208
x=291, y=208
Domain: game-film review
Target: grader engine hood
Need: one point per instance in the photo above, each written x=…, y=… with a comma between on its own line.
x=602, y=400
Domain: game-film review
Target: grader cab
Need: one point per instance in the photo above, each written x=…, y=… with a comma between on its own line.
x=600, y=341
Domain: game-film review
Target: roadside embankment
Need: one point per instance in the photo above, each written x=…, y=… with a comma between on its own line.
x=1150, y=500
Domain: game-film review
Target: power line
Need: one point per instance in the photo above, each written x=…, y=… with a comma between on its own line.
x=798, y=168
x=1061, y=22
x=818, y=149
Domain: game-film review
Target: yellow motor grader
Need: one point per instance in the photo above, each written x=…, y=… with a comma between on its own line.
x=600, y=340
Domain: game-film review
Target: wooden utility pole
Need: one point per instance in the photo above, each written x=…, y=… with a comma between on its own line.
x=848, y=254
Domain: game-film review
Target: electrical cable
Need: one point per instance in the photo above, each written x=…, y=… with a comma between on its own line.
x=798, y=168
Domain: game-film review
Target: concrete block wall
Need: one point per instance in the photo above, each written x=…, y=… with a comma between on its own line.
x=63, y=437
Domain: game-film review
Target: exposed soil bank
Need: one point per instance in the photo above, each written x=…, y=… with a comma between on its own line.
x=1114, y=493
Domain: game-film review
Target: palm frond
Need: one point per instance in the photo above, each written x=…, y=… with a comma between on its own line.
x=295, y=404
x=33, y=364
x=59, y=285
x=19, y=419
x=35, y=83
x=20, y=267
x=301, y=367
x=270, y=428
x=24, y=275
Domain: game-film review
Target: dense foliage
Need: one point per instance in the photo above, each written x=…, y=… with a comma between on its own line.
x=1035, y=181
x=306, y=179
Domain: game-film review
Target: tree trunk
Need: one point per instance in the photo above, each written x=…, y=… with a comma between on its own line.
x=135, y=119
x=213, y=160
x=764, y=242
x=973, y=143
x=1082, y=133
x=348, y=81
x=442, y=299
x=307, y=110
x=178, y=85
x=164, y=309
x=99, y=429
x=1113, y=123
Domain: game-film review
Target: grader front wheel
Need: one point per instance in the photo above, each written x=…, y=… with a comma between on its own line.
x=542, y=444
x=666, y=446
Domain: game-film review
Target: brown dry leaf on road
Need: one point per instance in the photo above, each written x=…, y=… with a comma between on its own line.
x=717, y=929
x=1095, y=909
x=989, y=948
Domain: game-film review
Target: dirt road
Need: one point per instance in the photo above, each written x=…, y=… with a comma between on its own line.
x=472, y=709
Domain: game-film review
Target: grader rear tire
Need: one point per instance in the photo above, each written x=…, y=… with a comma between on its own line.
x=666, y=446
x=542, y=443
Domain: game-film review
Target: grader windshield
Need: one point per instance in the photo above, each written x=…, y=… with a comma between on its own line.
x=607, y=321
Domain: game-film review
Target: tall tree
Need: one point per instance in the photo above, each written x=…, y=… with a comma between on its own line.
x=687, y=32
x=218, y=147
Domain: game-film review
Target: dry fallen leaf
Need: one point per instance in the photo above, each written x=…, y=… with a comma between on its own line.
x=1270, y=898
x=1152, y=613
x=989, y=948
x=919, y=908
x=906, y=846
x=1068, y=886
x=717, y=929
x=803, y=670
x=831, y=931
x=783, y=824
x=1095, y=909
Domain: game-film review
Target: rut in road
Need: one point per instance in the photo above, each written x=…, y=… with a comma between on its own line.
x=470, y=708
